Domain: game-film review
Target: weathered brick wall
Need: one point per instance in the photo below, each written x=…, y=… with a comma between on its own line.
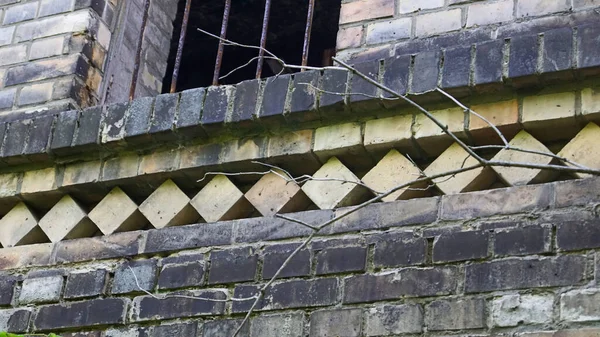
x=52, y=53
x=371, y=28
x=155, y=50
x=509, y=262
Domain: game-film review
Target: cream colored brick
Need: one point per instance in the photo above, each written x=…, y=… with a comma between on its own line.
x=388, y=132
x=486, y=13
x=350, y=37
x=121, y=167
x=409, y=6
x=39, y=180
x=243, y=150
x=546, y=107
x=583, y=149
x=168, y=206
x=590, y=103
x=554, y=112
x=386, y=31
x=82, y=173
x=159, y=161
x=438, y=22
x=20, y=227
x=333, y=194
x=337, y=136
x=366, y=10
x=8, y=184
x=454, y=158
x=541, y=7
x=117, y=213
x=67, y=220
x=391, y=171
x=273, y=194
x=522, y=176
x=431, y=137
x=46, y=47
x=220, y=200
x=344, y=141
x=290, y=143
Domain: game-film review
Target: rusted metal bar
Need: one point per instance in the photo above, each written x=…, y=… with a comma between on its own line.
x=263, y=38
x=224, y=24
x=307, y=33
x=138, y=53
x=184, y=25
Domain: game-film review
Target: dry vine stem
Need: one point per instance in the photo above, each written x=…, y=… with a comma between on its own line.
x=481, y=162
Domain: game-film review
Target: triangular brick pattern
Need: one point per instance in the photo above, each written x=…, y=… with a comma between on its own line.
x=336, y=183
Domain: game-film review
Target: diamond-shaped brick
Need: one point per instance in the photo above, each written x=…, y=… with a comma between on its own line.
x=391, y=171
x=20, y=227
x=455, y=157
x=117, y=213
x=220, y=200
x=519, y=175
x=583, y=149
x=67, y=220
x=338, y=192
x=168, y=206
x=273, y=194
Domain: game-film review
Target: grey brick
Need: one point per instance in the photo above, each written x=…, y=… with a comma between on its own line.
x=16, y=136
x=558, y=49
x=192, y=236
x=289, y=294
x=386, y=320
x=360, y=85
x=69, y=315
x=288, y=324
x=39, y=135
x=488, y=62
x=577, y=192
x=41, y=290
x=268, y=228
x=138, y=117
x=7, y=287
x=523, y=240
x=232, y=265
x=215, y=107
x=225, y=327
x=181, y=329
x=163, y=118
x=331, y=323
x=190, y=108
x=87, y=132
x=15, y=320
x=396, y=72
x=399, y=251
x=500, y=201
x=45, y=69
x=588, y=41
x=50, y=7
x=7, y=98
x=333, y=81
x=180, y=274
x=460, y=246
x=457, y=67
x=20, y=13
x=274, y=98
x=6, y=35
x=304, y=98
x=125, y=277
x=13, y=54
x=523, y=56
x=274, y=256
x=244, y=105
x=151, y=308
x=97, y=248
x=576, y=235
x=426, y=70
x=114, y=123
x=408, y=282
x=86, y=284
x=466, y=313
x=527, y=273
x=580, y=305
x=341, y=260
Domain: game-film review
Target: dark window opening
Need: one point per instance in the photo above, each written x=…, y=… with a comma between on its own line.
x=285, y=38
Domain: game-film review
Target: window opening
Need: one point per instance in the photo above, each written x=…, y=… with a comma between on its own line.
x=282, y=26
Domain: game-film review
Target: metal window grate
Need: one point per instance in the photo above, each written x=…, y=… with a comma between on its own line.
x=223, y=35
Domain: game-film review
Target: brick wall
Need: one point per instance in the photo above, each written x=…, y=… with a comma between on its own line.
x=52, y=52
x=391, y=25
x=155, y=50
x=522, y=261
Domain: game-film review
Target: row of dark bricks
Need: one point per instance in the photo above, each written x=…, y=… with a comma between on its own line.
x=410, y=274
x=201, y=113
